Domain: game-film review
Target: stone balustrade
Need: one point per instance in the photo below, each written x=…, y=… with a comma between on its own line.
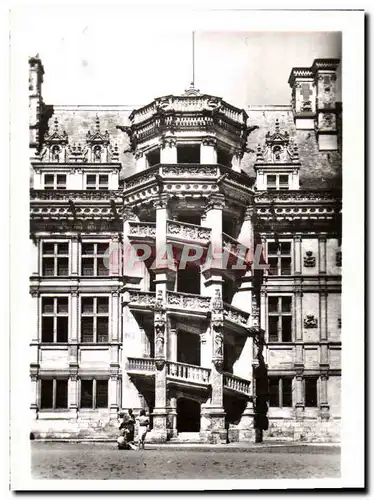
x=187, y=372
x=188, y=301
x=231, y=245
x=237, y=384
x=140, y=299
x=141, y=365
x=74, y=194
x=235, y=315
x=142, y=229
x=185, y=231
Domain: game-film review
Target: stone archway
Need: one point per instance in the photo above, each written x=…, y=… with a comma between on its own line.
x=188, y=415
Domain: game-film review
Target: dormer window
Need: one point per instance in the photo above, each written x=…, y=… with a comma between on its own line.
x=277, y=150
x=277, y=182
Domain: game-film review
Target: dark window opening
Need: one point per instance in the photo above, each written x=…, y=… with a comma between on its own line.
x=311, y=392
x=188, y=280
x=228, y=290
x=274, y=391
x=188, y=154
x=224, y=157
x=190, y=219
x=46, y=394
x=280, y=392
x=86, y=393
x=101, y=394
x=153, y=157
x=229, y=226
x=188, y=348
x=152, y=283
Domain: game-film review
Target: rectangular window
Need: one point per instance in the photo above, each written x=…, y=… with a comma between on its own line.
x=311, y=392
x=276, y=182
x=94, y=394
x=279, y=258
x=55, y=319
x=280, y=392
x=54, y=394
x=54, y=181
x=188, y=154
x=93, y=255
x=280, y=319
x=97, y=182
x=94, y=319
x=153, y=157
x=55, y=259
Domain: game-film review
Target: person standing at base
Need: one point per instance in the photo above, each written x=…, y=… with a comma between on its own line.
x=143, y=428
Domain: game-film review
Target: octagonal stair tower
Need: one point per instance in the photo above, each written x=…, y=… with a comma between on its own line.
x=189, y=211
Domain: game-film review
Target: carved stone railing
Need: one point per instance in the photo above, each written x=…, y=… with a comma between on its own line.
x=191, y=373
x=141, y=178
x=235, y=315
x=233, y=246
x=187, y=231
x=140, y=365
x=188, y=301
x=189, y=170
x=142, y=229
x=137, y=298
x=298, y=196
x=237, y=384
x=69, y=194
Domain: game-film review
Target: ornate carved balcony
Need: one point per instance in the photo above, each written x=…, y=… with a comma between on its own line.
x=234, y=315
x=190, y=373
x=144, y=366
x=187, y=302
x=143, y=231
x=182, y=231
x=236, y=384
x=140, y=300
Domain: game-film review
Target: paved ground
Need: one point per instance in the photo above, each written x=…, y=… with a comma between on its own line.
x=103, y=461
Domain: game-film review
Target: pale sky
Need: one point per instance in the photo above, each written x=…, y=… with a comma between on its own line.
x=116, y=60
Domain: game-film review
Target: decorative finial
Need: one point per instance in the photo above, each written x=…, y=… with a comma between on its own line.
x=97, y=123
x=276, y=125
x=56, y=124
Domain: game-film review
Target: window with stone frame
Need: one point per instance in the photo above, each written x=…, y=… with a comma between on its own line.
x=92, y=261
x=94, y=319
x=277, y=182
x=54, y=181
x=154, y=157
x=311, y=393
x=54, y=394
x=97, y=182
x=280, y=319
x=188, y=153
x=93, y=393
x=280, y=392
x=55, y=319
x=279, y=258
x=55, y=258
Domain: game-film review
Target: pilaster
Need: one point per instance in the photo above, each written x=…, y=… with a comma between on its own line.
x=208, y=152
x=168, y=152
x=322, y=254
x=74, y=254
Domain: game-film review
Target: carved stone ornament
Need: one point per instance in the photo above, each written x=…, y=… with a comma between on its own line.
x=159, y=337
x=218, y=363
x=339, y=322
x=159, y=302
x=217, y=328
x=309, y=259
x=160, y=363
x=310, y=321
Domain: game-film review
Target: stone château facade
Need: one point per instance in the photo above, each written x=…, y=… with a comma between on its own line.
x=222, y=347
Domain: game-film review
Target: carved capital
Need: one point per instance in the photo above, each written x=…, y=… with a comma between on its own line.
x=209, y=141
x=218, y=363
x=34, y=291
x=162, y=202
x=249, y=213
x=74, y=292
x=215, y=203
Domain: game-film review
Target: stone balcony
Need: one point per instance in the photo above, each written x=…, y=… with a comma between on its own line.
x=176, y=232
x=183, y=374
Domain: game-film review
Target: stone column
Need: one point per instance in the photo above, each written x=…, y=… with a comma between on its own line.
x=115, y=255
x=141, y=161
x=297, y=254
x=74, y=316
x=324, y=403
x=243, y=297
x=35, y=252
x=299, y=391
x=113, y=394
x=114, y=334
x=168, y=152
x=34, y=394
x=212, y=269
x=213, y=415
x=34, y=308
x=73, y=394
x=74, y=254
x=323, y=314
x=165, y=270
x=208, y=152
x=322, y=254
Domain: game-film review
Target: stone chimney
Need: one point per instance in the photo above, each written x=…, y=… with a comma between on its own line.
x=36, y=72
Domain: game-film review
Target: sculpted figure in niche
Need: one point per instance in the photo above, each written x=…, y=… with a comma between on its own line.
x=56, y=153
x=97, y=153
